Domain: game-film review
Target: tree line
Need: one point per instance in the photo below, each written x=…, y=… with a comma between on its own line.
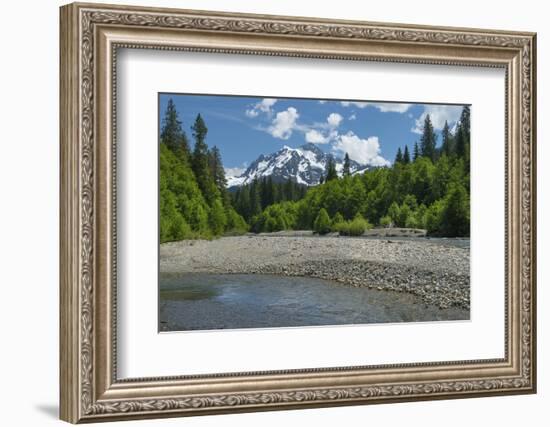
x=251, y=199
x=194, y=201
x=429, y=190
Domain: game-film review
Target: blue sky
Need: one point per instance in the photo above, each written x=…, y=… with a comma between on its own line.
x=245, y=127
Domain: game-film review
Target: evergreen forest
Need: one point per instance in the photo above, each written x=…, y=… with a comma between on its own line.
x=426, y=187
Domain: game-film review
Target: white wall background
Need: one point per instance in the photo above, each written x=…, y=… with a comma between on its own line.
x=29, y=170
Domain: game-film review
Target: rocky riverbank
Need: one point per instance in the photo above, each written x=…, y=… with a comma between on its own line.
x=437, y=272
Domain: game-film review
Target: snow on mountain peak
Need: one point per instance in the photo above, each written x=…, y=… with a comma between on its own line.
x=304, y=165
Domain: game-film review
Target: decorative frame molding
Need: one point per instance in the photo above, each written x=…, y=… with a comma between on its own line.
x=90, y=36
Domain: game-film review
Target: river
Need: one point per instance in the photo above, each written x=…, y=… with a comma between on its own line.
x=198, y=301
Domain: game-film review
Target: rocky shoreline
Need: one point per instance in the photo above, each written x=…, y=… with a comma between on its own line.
x=438, y=288
x=437, y=273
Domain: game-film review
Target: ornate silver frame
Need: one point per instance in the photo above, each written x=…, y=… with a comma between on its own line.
x=90, y=36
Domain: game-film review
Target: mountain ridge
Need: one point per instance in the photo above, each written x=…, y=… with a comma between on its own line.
x=305, y=165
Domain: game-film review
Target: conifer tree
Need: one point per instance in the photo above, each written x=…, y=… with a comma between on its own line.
x=347, y=166
x=406, y=155
x=288, y=190
x=416, y=151
x=218, y=172
x=460, y=141
x=255, y=199
x=200, y=158
x=465, y=122
x=172, y=133
x=428, y=139
x=269, y=192
x=331, y=170
x=242, y=203
x=399, y=156
x=463, y=134
x=446, y=140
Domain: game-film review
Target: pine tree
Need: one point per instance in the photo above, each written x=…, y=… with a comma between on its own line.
x=243, y=203
x=200, y=158
x=406, y=155
x=216, y=170
x=463, y=134
x=288, y=190
x=416, y=151
x=460, y=141
x=255, y=199
x=269, y=192
x=428, y=139
x=446, y=140
x=172, y=133
x=399, y=156
x=347, y=166
x=331, y=170
x=465, y=122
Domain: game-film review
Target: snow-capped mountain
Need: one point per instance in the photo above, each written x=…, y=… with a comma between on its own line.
x=305, y=165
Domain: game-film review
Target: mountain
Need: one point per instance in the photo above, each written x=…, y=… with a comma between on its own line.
x=304, y=165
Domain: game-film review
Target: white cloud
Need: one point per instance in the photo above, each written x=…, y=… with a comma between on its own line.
x=384, y=107
x=391, y=107
x=354, y=104
x=322, y=101
x=365, y=151
x=231, y=172
x=252, y=113
x=334, y=119
x=352, y=116
x=315, y=137
x=264, y=106
x=438, y=115
x=284, y=123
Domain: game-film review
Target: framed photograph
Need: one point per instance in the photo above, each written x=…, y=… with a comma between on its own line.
x=266, y=212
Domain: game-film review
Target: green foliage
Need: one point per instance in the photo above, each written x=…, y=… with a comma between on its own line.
x=430, y=191
x=424, y=193
x=235, y=223
x=433, y=217
x=394, y=212
x=406, y=155
x=218, y=172
x=428, y=139
x=200, y=161
x=455, y=219
x=399, y=156
x=322, y=223
x=278, y=217
x=172, y=133
x=251, y=199
x=217, y=219
x=183, y=210
x=386, y=221
x=446, y=143
x=356, y=227
x=462, y=137
x=336, y=221
x=187, y=209
x=172, y=224
x=331, y=170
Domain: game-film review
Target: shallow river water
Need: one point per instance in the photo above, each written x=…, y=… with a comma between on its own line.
x=193, y=301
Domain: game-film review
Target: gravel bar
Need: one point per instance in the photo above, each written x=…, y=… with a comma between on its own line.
x=438, y=273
